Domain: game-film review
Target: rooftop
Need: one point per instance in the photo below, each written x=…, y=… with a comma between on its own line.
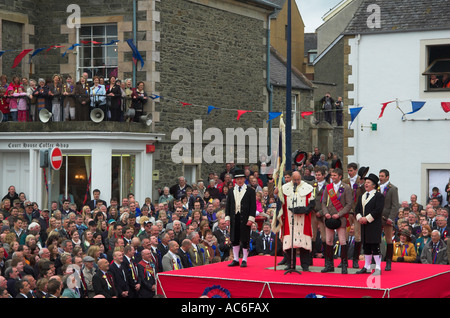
x=402, y=16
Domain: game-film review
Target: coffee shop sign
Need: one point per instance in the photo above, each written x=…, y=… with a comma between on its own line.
x=37, y=145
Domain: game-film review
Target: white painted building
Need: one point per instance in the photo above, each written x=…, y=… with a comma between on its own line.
x=387, y=64
x=116, y=163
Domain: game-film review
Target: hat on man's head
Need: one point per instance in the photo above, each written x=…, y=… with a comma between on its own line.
x=239, y=174
x=88, y=259
x=362, y=172
x=372, y=177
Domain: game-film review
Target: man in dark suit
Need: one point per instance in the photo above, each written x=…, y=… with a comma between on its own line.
x=23, y=288
x=183, y=252
x=163, y=247
x=131, y=271
x=147, y=272
x=102, y=281
x=93, y=203
x=117, y=271
x=223, y=239
x=369, y=210
x=265, y=243
x=240, y=213
x=390, y=212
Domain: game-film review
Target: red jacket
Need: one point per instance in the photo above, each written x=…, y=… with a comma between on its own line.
x=4, y=105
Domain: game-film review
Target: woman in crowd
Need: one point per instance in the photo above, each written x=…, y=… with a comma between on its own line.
x=82, y=109
x=32, y=100
x=139, y=99
x=114, y=94
x=55, y=91
x=422, y=240
x=97, y=94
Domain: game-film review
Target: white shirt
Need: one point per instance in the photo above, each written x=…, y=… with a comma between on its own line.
x=320, y=184
x=336, y=186
x=383, y=186
x=353, y=180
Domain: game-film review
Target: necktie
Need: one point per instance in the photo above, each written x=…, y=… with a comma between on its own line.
x=367, y=195
x=239, y=189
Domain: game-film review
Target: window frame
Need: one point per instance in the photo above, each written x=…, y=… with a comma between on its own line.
x=105, y=38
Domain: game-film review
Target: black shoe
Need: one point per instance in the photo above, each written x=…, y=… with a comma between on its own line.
x=233, y=263
x=355, y=264
x=244, y=264
x=363, y=271
x=388, y=265
x=283, y=261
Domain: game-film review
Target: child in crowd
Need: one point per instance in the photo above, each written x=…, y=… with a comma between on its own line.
x=22, y=105
x=12, y=105
x=4, y=105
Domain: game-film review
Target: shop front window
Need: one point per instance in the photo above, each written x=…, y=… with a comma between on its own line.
x=123, y=175
x=71, y=182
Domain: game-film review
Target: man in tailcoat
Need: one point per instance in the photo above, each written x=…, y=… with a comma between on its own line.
x=369, y=211
x=240, y=213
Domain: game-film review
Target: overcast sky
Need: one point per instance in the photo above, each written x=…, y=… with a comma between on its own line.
x=312, y=12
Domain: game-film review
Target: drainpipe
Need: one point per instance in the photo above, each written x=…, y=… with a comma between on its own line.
x=268, y=84
x=134, y=38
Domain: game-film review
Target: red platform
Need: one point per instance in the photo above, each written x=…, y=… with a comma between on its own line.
x=260, y=280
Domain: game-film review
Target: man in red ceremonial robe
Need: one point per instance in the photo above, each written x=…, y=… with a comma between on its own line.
x=298, y=199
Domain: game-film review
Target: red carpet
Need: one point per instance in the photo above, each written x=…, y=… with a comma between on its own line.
x=258, y=281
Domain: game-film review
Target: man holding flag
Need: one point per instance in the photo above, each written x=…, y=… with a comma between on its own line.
x=296, y=196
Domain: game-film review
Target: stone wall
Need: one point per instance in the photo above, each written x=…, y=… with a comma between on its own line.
x=208, y=56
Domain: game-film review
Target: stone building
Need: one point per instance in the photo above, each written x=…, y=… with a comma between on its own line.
x=195, y=51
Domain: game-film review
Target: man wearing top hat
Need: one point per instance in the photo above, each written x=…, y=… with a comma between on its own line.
x=369, y=211
x=356, y=182
x=240, y=213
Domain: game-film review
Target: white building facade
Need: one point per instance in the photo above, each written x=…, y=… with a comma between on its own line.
x=115, y=163
x=413, y=147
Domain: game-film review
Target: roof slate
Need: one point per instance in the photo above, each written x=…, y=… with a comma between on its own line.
x=402, y=16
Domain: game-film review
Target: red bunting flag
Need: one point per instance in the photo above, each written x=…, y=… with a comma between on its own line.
x=242, y=112
x=445, y=106
x=93, y=42
x=384, y=107
x=19, y=57
x=304, y=114
x=184, y=104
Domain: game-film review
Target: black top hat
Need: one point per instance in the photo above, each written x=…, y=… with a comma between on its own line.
x=333, y=223
x=337, y=163
x=372, y=178
x=363, y=171
x=239, y=174
x=300, y=157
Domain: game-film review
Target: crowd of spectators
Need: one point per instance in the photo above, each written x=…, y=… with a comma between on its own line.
x=116, y=249
x=22, y=99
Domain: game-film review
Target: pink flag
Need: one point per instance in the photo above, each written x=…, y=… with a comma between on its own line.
x=445, y=106
x=304, y=114
x=242, y=112
x=384, y=107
